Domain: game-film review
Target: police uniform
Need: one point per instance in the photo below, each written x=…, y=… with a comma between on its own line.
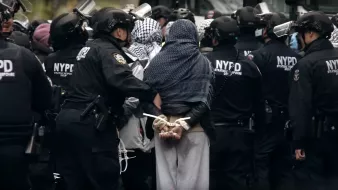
x=237, y=96
x=59, y=65
x=24, y=88
x=248, y=22
x=314, y=107
x=87, y=155
x=275, y=61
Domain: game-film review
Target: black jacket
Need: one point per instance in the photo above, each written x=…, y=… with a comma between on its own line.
x=24, y=88
x=102, y=69
x=59, y=65
x=314, y=88
x=247, y=43
x=275, y=61
x=237, y=96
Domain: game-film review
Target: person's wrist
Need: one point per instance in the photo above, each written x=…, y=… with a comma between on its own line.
x=184, y=125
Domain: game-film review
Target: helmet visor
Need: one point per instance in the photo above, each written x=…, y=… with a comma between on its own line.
x=283, y=29
x=141, y=12
x=85, y=7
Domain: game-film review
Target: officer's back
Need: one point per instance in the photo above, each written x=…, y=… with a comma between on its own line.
x=67, y=44
x=248, y=22
x=23, y=85
x=237, y=96
x=241, y=76
x=275, y=61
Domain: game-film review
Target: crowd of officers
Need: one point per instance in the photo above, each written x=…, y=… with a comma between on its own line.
x=274, y=108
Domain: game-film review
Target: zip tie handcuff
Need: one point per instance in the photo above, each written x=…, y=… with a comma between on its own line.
x=123, y=156
x=169, y=123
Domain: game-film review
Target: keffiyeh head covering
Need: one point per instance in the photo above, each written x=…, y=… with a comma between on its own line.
x=146, y=37
x=180, y=73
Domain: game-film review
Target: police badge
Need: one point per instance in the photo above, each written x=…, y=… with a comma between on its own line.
x=119, y=58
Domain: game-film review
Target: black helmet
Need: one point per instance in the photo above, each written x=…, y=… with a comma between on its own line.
x=270, y=20
x=182, y=13
x=315, y=21
x=109, y=20
x=160, y=11
x=67, y=28
x=223, y=28
x=98, y=15
x=246, y=17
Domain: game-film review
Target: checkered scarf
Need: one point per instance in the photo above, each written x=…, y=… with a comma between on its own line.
x=146, y=37
x=180, y=73
x=334, y=38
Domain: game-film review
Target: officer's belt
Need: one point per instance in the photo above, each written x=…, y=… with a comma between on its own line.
x=234, y=123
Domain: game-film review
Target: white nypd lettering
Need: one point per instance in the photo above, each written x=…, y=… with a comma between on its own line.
x=82, y=54
x=6, y=69
x=226, y=66
x=63, y=69
x=286, y=62
x=332, y=66
x=246, y=53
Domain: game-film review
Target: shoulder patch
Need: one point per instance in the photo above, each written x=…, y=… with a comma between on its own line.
x=119, y=58
x=296, y=75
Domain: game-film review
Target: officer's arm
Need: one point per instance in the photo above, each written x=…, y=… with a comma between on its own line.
x=119, y=75
x=41, y=88
x=300, y=103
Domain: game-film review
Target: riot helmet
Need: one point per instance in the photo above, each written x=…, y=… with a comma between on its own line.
x=111, y=19
x=161, y=14
x=182, y=13
x=315, y=22
x=8, y=8
x=267, y=24
x=246, y=17
x=224, y=30
x=67, y=29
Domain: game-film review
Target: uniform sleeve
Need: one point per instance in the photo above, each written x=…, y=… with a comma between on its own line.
x=300, y=103
x=119, y=75
x=41, y=88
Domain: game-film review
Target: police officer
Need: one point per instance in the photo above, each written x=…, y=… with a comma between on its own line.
x=182, y=13
x=24, y=89
x=237, y=96
x=275, y=60
x=248, y=23
x=161, y=14
x=87, y=156
x=314, y=105
x=68, y=36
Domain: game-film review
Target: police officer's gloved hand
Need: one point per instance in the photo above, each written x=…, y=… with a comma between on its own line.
x=160, y=125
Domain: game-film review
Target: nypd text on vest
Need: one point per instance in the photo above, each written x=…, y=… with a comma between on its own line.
x=332, y=66
x=286, y=62
x=6, y=69
x=63, y=69
x=227, y=66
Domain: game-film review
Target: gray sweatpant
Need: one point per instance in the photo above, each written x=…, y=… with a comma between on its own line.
x=184, y=164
